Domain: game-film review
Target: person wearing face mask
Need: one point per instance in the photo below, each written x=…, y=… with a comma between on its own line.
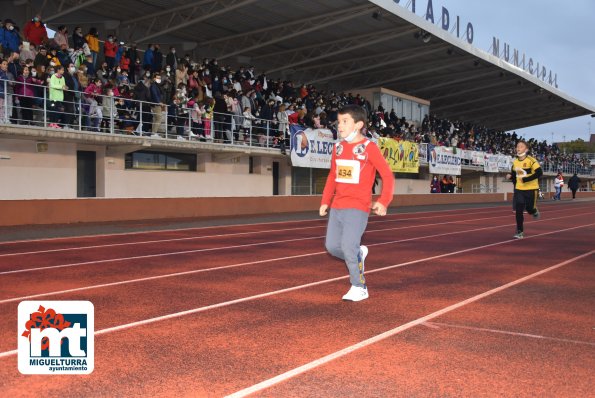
x=171, y=60
x=94, y=109
x=77, y=38
x=157, y=59
x=4, y=98
x=72, y=95
x=148, y=57
x=92, y=39
x=182, y=73
x=57, y=85
x=61, y=37
x=9, y=36
x=124, y=64
x=89, y=66
x=35, y=31
x=132, y=56
x=81, y=75
x=435, y=185
x=347, y=191
x=158, y=103
x=109, y=51
x=25, y=90
x=525, y=173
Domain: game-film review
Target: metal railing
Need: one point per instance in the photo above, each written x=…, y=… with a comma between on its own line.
x=483, y=188
x=567, y=169
x=29, y=104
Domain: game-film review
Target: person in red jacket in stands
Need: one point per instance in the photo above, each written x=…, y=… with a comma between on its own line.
x=355, y=160
x=110, y=47
x=35, y=31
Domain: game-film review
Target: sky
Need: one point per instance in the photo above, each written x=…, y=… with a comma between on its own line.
x=558, y=34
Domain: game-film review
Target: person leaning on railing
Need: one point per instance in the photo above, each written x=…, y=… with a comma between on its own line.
x=3, y=90
x=25, y=90
x=158, y=103
x=57, y=86
x=93, y=108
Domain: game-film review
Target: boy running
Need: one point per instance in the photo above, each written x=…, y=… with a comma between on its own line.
x=355, y=161
x=525, y=173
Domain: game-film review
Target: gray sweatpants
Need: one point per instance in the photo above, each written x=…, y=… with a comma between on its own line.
x=343, y=236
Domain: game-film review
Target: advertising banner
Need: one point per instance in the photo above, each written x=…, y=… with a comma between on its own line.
x=444, y=160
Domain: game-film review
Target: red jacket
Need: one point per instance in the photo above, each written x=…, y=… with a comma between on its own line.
x=35, y=34
x=358, y=195
x=124, y=63
x=110, y=49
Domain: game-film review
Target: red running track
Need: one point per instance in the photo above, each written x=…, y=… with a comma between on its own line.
x=457, y=308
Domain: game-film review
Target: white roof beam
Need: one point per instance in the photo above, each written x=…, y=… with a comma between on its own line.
x=348, y=48
x=70, y=9
x=283, y=26
x=376, y=65
x=311, y=27
x=174, y=10
x=217, y=9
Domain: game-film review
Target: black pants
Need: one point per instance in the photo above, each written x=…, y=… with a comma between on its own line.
x=573, y=193
x=69, y=111
x=56, y=112
x=219, y=126
x=26, y=108
x=525, y=200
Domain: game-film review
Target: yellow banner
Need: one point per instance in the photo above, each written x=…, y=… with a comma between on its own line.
x=402, y=156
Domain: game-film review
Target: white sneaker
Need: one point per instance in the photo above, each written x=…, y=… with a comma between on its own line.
x=356, y=293
x=362, y=258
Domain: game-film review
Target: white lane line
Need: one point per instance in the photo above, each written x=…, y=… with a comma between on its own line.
x=390, y=220
x=390, y=333
x=69, y=238
x=267, y=243
x=182, y=273
x=293, y=288
x=228, y=247
x=205, y=237
x=438, y=325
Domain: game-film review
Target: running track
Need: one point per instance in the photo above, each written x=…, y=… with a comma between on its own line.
x=457, y=308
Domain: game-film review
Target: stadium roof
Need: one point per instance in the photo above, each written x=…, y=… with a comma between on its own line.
x=339, y=44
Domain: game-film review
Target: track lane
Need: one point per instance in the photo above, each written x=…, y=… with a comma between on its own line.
x=238, y=345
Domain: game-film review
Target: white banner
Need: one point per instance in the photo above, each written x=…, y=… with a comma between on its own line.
x=504, y=163
x=444, y=160
x=311, y=147
x=491, y=164
x=477, y=158
x=497, y=163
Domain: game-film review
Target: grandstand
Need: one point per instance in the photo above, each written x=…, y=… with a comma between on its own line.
x=114, y=139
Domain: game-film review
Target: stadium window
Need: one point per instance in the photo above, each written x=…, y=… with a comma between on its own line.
x=150, y=160
x=251, y=165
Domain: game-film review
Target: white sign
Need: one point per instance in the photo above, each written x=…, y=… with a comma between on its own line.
x=497, y=163
x=444, y=160
x=311, y=147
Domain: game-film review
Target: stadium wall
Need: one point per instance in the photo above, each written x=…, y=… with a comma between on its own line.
x=27, y=174
x=67, y=211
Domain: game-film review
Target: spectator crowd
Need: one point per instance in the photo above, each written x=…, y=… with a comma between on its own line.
x=111, y=82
